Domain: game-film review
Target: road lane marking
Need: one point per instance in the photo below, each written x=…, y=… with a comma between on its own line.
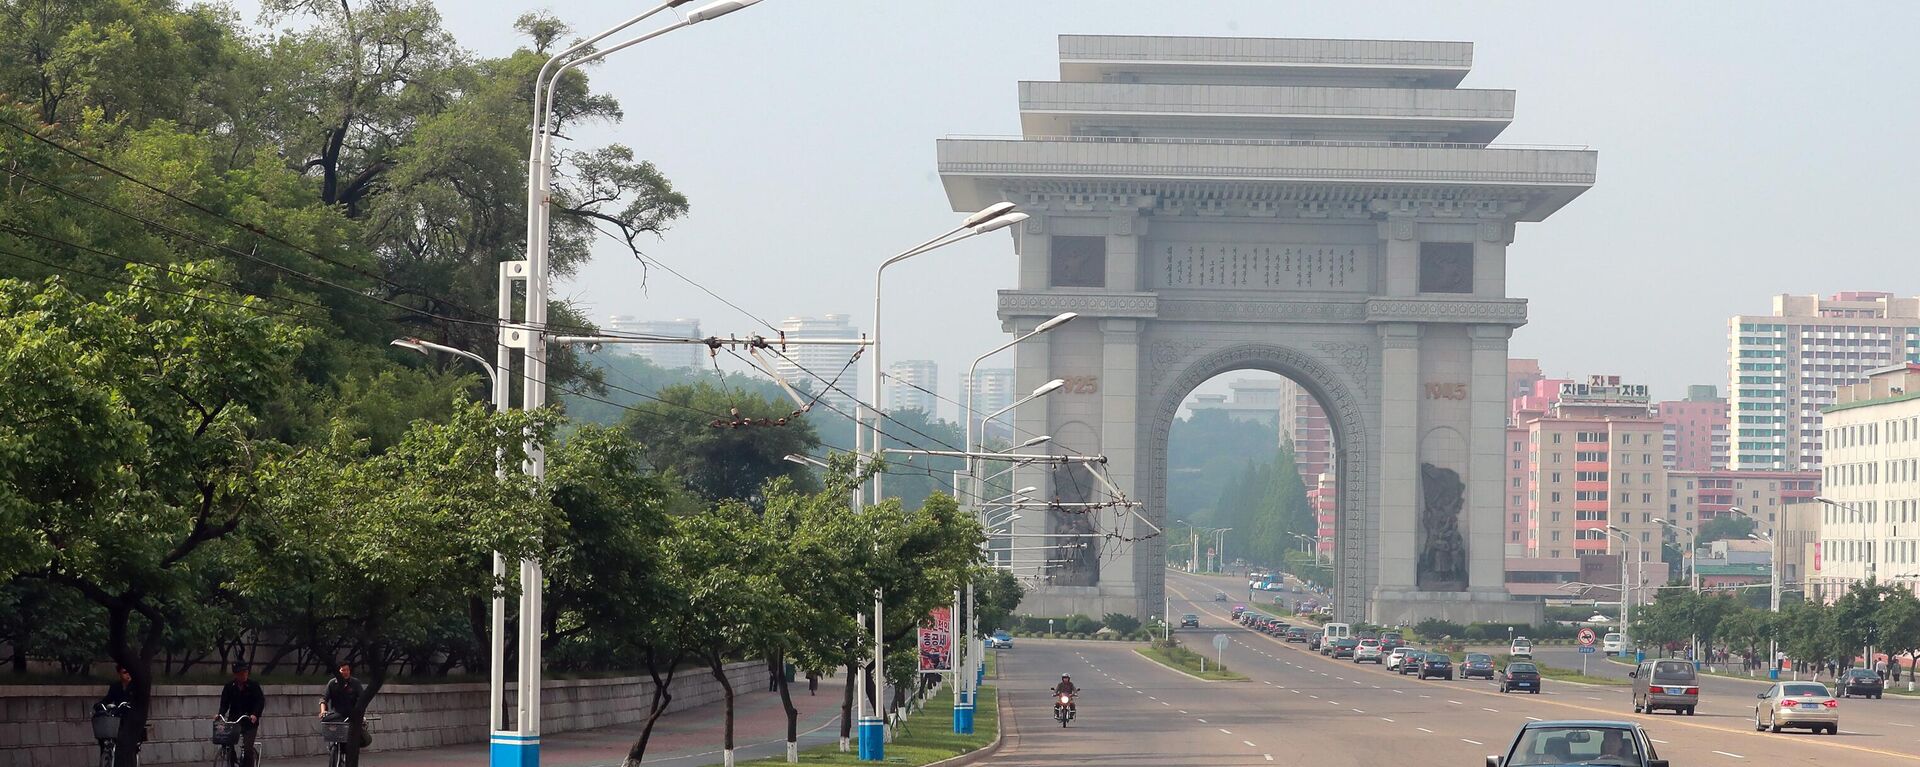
x=1266, y=682
x=1202, y=721
x=1268, y=756
x=1183, y=711
x=1535, y=719
x=1897, y=724
x=1657, y=740
x=1164, y=703
x=1475, y=742
x=1315, y=697
x=1425, y=730
x=1384, y=719
x=1589, y=697
x=1457, y=703
x=1399, y=692
x=1493, y=710
x=1249, y=744
x=1426, y=696
x=1225, y=730
x=1723, y=753
x=1358, y=711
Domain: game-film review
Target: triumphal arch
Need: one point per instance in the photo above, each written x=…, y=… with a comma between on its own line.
x=1331, y=210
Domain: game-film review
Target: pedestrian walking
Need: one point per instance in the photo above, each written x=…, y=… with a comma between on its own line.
x=813, y=682
x=1880, y=668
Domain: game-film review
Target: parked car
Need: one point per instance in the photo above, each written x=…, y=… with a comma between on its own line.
x=1613, y=643
x=1477, y=664
x=1522, y=647
x=1297, y=634
x=1001, y=640
x=1520, y=676
x=1615, y=744
x=1410, y=664
x=1864, y=682
x=1390, y=640
x=1797, y=704
x=1436, y=664
x=1668, y=684
x=1189, y=621
x=1368, y=651
x=1344, y=648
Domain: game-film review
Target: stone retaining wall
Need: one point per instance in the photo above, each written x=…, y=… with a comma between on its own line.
x=48, y=725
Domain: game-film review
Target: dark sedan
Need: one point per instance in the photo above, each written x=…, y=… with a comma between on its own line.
x=1410, y=663
x=1863, y=682
x=1436, y=665
x=1189, y=621
x=1297, y=634
x=1391, y=640
x=1520, y=677
x=1343, y=648
x=1477, y=664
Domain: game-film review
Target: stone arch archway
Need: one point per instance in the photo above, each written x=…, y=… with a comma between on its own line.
x=1350, y=429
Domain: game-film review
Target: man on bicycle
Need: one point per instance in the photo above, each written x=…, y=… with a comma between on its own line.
x=243, y=699
x=343, y=691
x=118, y=699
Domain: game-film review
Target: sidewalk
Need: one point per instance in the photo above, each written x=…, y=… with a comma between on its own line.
x=683, y=737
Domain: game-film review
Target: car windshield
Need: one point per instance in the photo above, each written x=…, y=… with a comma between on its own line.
x=1803, y=689
x=1575, y=745
x=1478, y=657
x=1437, y=658
x=1861, y=673
x=1523, y=668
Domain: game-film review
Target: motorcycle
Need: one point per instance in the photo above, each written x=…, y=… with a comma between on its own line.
x=1063, y=708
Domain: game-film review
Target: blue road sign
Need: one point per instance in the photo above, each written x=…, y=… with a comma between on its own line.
x=1586, y=649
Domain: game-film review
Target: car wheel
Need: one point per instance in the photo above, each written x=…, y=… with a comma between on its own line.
x=1638, y=709
x=1878, y=695
x=1773, y=724
x=1689, y=711
x=1536, y=691
x=1757, y=726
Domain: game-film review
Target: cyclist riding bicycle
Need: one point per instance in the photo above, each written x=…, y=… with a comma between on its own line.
x=243, y=699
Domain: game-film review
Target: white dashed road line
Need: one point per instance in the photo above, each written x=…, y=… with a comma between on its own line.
x=1723, y=753
x=1475, y=742
x=1492, y=710
x=1249, y=744
x=1384, y=719
x=1425, y=730
x=1226, y=731
x=1657, y=740
x=1268, y=756
x=1535, y=719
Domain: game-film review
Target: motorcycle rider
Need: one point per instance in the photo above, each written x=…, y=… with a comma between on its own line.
x=1066, y=688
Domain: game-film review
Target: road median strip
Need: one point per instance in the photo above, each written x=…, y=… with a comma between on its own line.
x=1188, y=662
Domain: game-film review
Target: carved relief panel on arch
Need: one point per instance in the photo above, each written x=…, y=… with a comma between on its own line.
x=1288, y=268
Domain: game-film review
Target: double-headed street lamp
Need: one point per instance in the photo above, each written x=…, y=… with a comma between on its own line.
x=1692, y=562
x=521, y=747
x=1626, y=589
x=1772, y=539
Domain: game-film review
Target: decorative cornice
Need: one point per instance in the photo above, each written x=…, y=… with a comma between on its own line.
x=1022, y=303
x=1493, y=311
x=1201, y=310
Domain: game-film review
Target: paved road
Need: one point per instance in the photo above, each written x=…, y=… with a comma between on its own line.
x=1301, y=707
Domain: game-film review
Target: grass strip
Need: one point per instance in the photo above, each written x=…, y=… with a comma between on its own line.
x=1188, y=662
x=926, y=738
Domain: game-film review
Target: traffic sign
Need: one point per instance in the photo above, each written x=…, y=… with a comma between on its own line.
x=1586, y=639
x=1586, y=649
x=1220, y=642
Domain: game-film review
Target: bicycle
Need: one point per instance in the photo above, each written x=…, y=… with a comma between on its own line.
x=336, y=733
x=226, y=734
x=106, y=729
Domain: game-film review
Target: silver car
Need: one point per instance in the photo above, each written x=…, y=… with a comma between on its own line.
x=1797, y=704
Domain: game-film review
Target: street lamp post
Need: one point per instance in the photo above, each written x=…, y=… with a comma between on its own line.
x=1693, y=570
x=521, y=747
x=1626, y=591
x=1773, y=587
x=994, y=217
x=497, y=617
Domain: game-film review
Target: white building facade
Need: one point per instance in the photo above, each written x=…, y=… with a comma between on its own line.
x=813, y=367
x=1871, y=524
x=1785, y=366
x=663, y=355
x=913, y=385
x=991, y=389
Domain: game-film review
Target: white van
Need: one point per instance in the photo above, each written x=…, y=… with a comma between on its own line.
x=1333, y=631
x=1613, y=643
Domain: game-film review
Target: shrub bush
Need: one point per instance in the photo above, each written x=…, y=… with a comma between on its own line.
x=1080, y=624
x=1434, y=628
x=1121, y=622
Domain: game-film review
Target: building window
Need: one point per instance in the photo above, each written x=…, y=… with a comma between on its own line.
x=1079, y=262
x=1446, y=267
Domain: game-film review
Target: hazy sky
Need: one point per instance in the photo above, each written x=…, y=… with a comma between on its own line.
x=1746, y=149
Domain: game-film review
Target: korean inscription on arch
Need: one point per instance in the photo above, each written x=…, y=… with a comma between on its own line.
x=1230, y=266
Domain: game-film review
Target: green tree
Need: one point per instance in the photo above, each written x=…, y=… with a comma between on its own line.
x=1808, y=632
x=383, y=548
x=729, y=456
x=1748, y=630
x=1725, y=527
x=132, y=443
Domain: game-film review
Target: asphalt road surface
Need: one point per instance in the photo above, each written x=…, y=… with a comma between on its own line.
x=1299, y=707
